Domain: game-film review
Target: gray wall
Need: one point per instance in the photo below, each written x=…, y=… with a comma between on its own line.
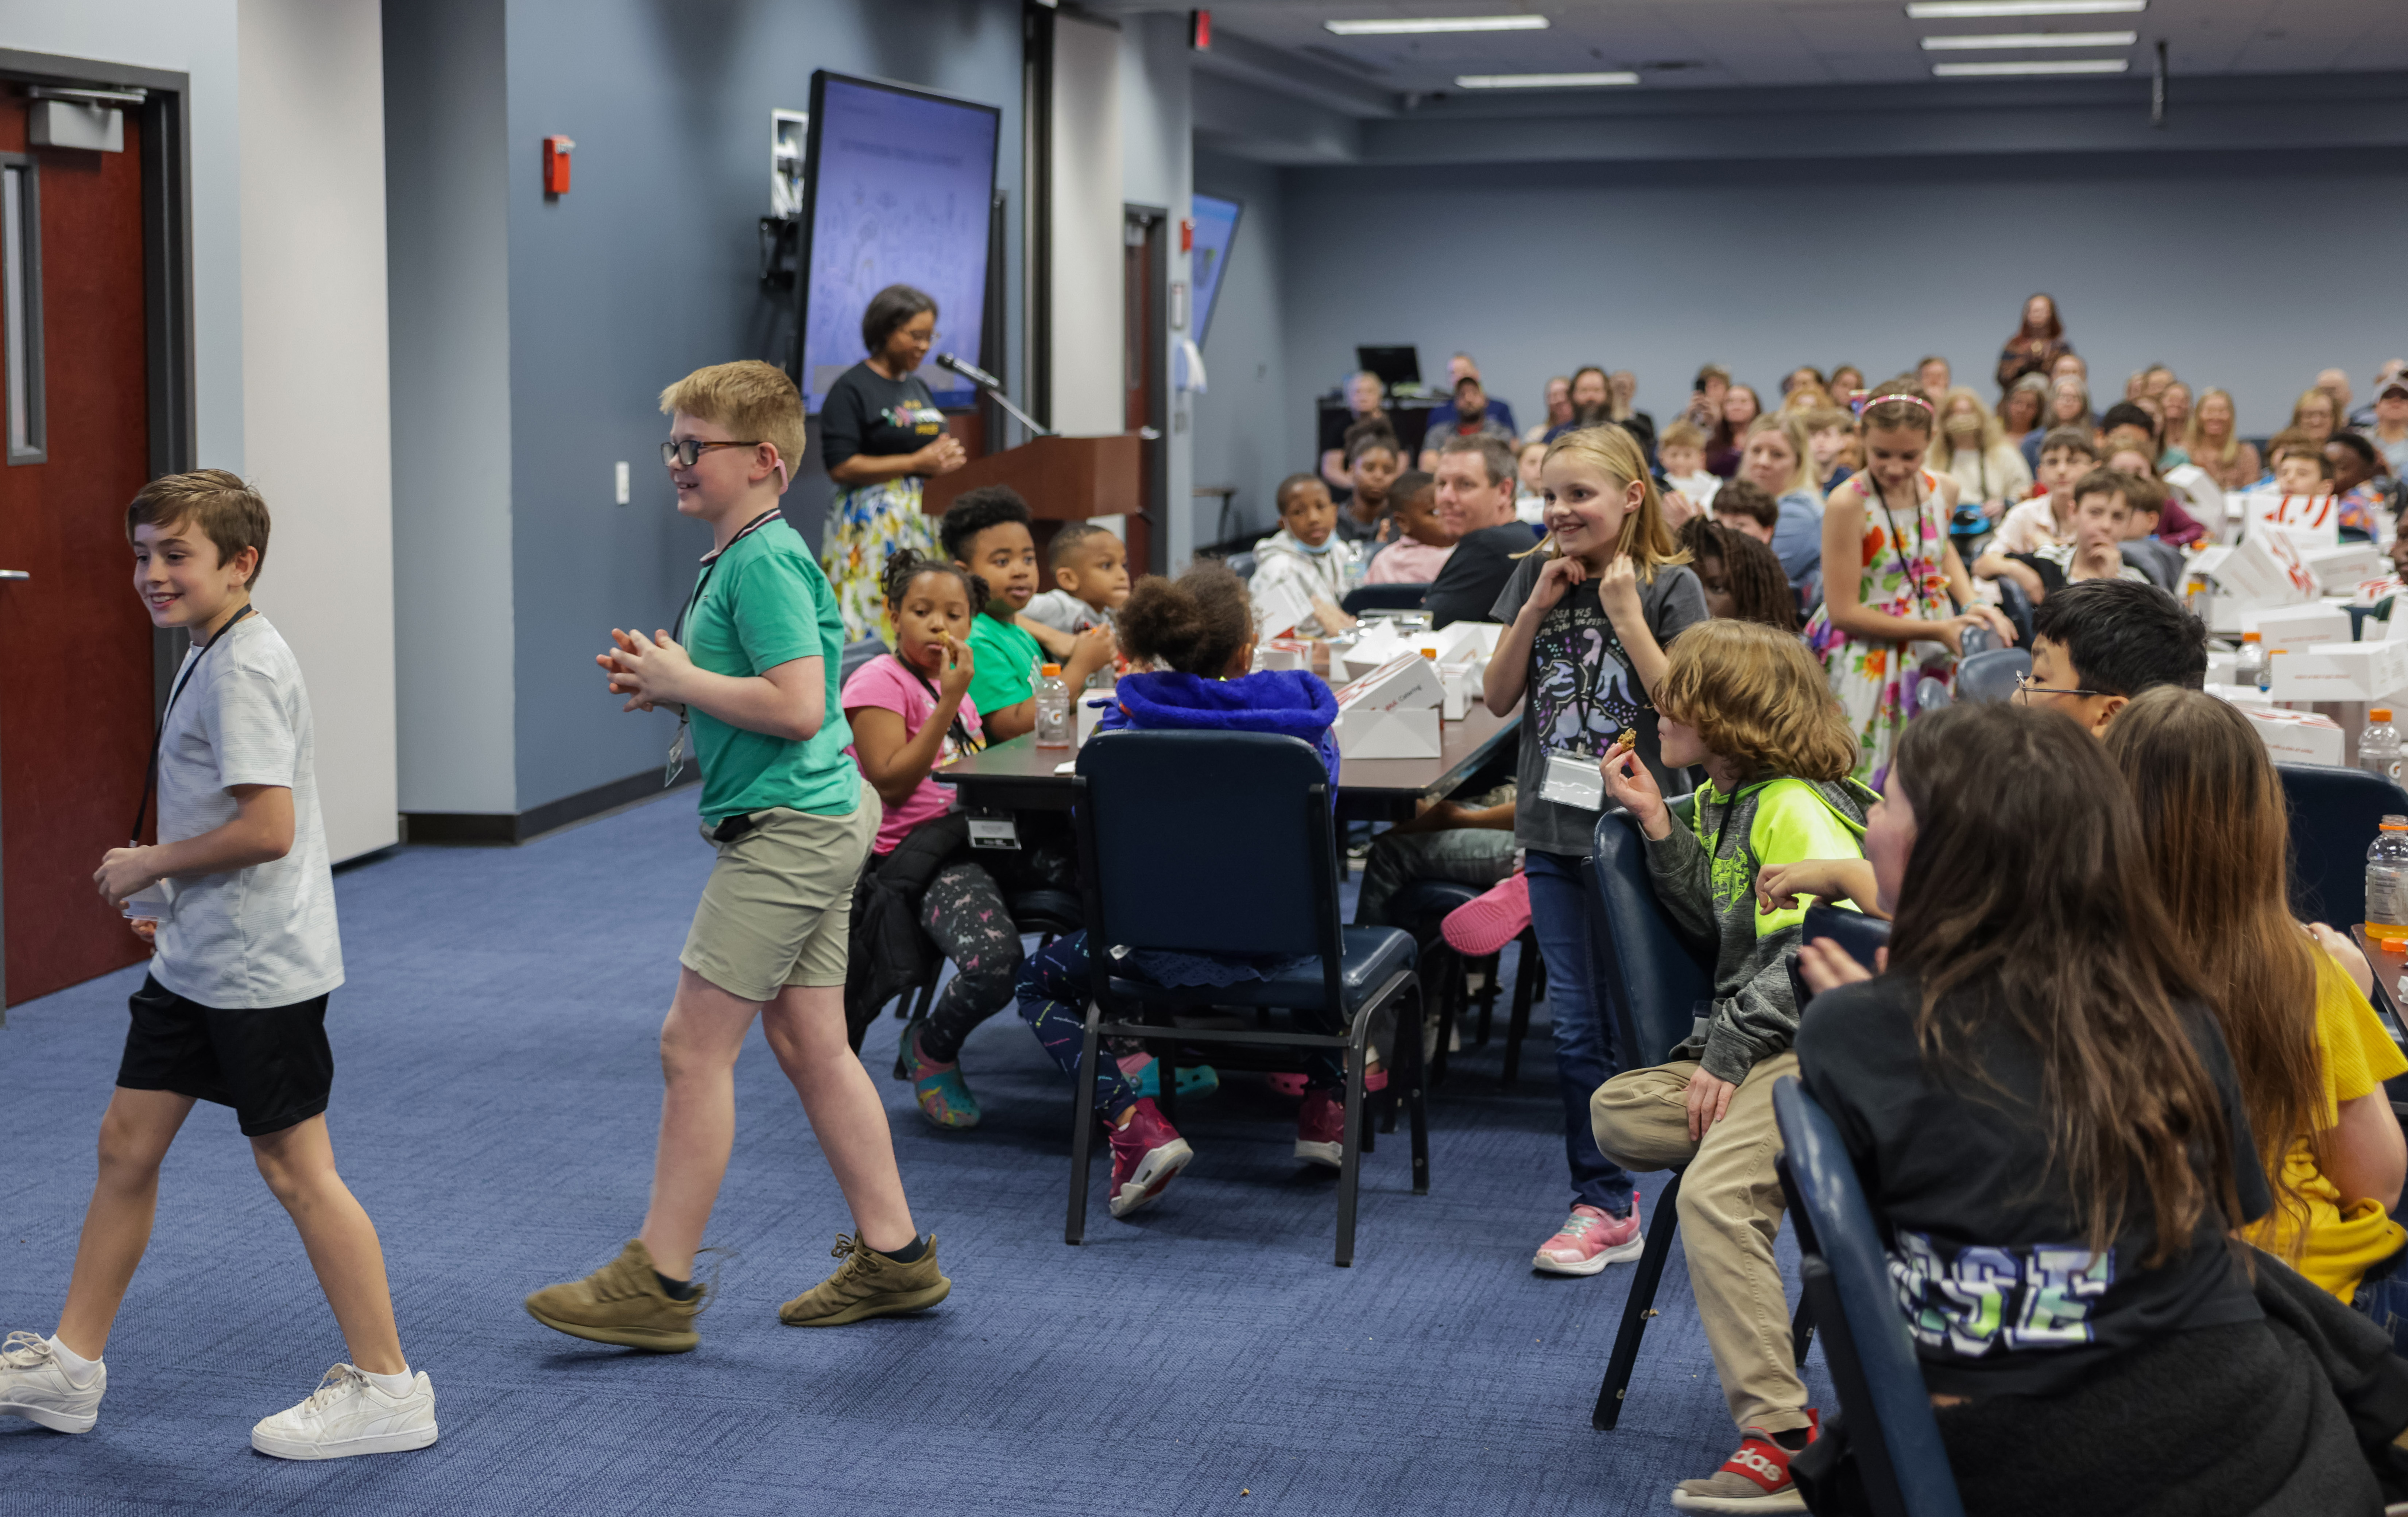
x=1244, y=433
x=1660, y=268
x=644, y=271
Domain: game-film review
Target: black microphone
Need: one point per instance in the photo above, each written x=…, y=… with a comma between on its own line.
x=969, y=371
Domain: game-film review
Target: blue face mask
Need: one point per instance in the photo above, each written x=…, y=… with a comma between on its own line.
x=1326, y=544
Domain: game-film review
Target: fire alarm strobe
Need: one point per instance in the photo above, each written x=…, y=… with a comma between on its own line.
x=555, y=163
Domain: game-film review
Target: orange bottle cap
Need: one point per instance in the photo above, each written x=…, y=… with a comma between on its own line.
x=2249, y=636
x=1050, y=670
x=2381, y=713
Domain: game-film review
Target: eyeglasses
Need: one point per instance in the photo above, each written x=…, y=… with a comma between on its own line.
x=2026, y=690
x=683, y=454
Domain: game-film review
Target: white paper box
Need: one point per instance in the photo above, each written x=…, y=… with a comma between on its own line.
x=2263, y=569
x=1284, y=653
x=2298, y=626
x=1280, y=604
x=1377, y=643
x=2340, y=570
x=1370, y=733
x=2298, y=737
x=1465, y=684
x=2310, y=522
x=2221, y=667
x=2342, y=672
x=1406, y=683
x=2241, y=696
x=1093, y=704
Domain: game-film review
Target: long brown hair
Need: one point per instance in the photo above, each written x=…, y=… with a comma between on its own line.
x=1756, y=695
x=2213, y=816
x=2028, y=906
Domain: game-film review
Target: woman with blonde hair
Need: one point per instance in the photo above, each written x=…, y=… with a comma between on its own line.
x=2289, y=998
x=1589, y=615
x=1778, y=458
x=2315, y=414
x=1972, y=448
x=2211, y=441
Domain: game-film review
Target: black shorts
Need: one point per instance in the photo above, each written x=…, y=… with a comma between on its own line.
x=271, y=1064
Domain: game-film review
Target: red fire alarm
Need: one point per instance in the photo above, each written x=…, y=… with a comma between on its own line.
x=1187, y=233
x=1200, y=30
x=555, y=164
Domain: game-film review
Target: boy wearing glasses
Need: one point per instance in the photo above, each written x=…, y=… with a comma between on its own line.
x=755, y=683
x=2098, y=643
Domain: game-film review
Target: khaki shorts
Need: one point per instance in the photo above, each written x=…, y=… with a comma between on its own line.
x=777, y=907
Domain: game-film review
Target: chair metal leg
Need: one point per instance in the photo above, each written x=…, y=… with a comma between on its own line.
x=1452, y=995
x=1525, y=979
x=1166, y=1080
x=1488, y=971
x=1349, y=1156
x=1414, y=1078
x=1083, y=1129
x=1802, y=1331
x=1638, y=1307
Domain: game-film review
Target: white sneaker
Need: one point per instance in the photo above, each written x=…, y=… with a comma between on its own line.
x=347, y=1415
x=34, y=1386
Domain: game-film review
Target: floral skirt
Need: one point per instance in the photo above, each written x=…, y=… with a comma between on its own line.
x=866, y=526
x=1874, y=682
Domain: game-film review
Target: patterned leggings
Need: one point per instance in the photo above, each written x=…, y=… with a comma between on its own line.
x=963, y=914
x=1053, y=988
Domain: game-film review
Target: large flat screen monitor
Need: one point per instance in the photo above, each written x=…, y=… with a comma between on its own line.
x=1217, y=228
x=896, y=187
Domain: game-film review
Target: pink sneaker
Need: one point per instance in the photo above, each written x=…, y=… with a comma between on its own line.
x=1321, y=1128
x=1147, y=1154
x=1589, y=1241
x=1485, y=924
x=1293, y=1084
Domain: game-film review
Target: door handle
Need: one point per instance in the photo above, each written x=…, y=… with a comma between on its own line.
x=14, y=574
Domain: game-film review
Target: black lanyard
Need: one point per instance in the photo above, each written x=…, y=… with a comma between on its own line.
x=151, y=775
x=959, y=732
x=710, y=563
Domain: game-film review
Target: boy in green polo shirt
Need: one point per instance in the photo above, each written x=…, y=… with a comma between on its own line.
x=987, y=532
x=755, y=681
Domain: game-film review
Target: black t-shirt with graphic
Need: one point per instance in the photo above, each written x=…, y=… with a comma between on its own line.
x=1987, y=1256
x=1583, y=693
x=867, y=412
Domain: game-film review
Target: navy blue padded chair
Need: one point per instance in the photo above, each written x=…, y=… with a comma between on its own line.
x=1654, y=983
x=1363, y=598
x=1854, y=931
x=2334, y=816
x=855, y=655
x=1421, y=905
x=1222, y=842
x=2018, y=609
x=1989, y=678
x=1241, y=565
x=1891, y=1431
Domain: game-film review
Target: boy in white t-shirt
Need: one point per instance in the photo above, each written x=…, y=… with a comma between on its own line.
x=233, y=1008
x=2066, y=454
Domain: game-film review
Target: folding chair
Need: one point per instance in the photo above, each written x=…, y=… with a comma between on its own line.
x=2334, y=815
x=1221, y=842
x=1395, y=598
x=1890, y=1429
x=1653, y=982
x=1987, y=678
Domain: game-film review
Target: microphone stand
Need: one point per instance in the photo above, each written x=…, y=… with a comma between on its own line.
x=992, y=390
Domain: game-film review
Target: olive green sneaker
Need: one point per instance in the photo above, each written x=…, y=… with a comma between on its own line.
x=868, y=1284
x=620, y=1303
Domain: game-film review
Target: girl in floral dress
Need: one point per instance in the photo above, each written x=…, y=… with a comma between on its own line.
x=1878, y=630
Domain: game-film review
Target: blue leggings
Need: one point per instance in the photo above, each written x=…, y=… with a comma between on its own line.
x=1053, y=990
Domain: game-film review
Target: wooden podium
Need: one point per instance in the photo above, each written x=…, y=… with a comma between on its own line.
x=1062, y=479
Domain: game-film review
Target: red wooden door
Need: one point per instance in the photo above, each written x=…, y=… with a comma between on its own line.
x=75, y=704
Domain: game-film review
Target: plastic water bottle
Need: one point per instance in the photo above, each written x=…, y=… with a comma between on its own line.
x=2250, y=667
x=2378, y=747
x=2387, y=882
x=1053, y=707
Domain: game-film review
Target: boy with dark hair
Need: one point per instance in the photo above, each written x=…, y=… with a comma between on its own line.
x=2066, y=454
x=1089, y=566
x=985, y=531
x=234, y=1008
x=757, y=678
x=2127, y=426
x=2103, y=510
x=2162, y=562
x=2098, y=644
x=1748, y=508
x=1304, y=564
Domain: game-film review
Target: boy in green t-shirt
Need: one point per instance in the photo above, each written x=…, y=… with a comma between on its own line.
x=756, y=681
x=987, y=532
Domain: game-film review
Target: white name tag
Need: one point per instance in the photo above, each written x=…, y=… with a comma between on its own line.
x=994, y=832
x=1573, y=779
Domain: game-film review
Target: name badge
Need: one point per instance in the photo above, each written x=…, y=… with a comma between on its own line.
x=994, y=832
x=1573, y=779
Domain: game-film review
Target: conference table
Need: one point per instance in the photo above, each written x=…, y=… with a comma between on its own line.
x=1019, y=775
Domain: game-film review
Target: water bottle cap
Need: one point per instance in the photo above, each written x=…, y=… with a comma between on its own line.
x=2394, y=824
x=2381, y=713
x=1052, y=671
x=2249, y=637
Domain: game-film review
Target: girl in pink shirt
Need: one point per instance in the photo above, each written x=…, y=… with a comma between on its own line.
x=910, y=714
x=1424, y=544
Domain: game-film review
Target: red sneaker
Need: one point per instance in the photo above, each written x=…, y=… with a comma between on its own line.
x=1321, y=1128
x=1147, y=1154
x=1755, y=1479
x=1589, y=1241
x=1485, y=924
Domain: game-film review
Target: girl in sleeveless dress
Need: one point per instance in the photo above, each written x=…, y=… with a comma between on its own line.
x=1879, y=629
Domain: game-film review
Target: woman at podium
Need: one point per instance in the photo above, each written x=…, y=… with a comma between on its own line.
x=881, y=433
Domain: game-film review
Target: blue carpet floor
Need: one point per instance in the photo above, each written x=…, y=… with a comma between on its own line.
x=494, y=1109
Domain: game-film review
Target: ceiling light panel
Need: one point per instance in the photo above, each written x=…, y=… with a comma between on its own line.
x=2030, y=39
x=1542, y=82
x=1946, y=10
x=1424, y=25
x=2036, y=65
